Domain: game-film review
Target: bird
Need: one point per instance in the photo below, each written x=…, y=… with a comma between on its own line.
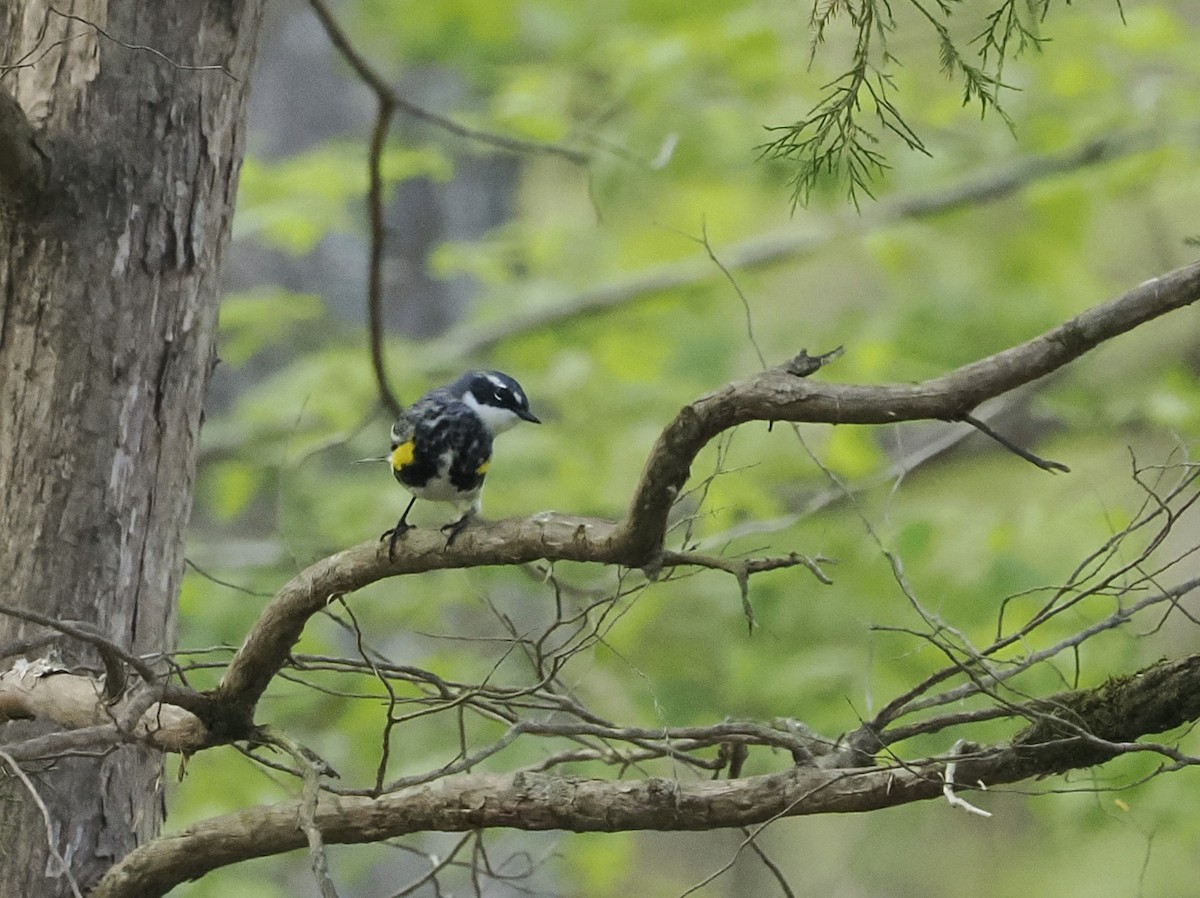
x=442, y=444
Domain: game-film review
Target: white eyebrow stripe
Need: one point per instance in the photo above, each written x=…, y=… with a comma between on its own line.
x=496, y=382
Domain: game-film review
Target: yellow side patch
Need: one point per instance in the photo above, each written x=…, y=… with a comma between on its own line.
x=482, y=469
x=402, y=455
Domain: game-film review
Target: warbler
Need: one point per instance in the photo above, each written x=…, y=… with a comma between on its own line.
x=442, y=444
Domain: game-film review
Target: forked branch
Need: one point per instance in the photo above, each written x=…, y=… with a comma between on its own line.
x=776, y=394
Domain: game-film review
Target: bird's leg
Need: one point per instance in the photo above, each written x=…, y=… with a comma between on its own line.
x=452, y=530
x=402, y=527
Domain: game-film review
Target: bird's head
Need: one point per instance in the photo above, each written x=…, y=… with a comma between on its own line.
x=497, y=398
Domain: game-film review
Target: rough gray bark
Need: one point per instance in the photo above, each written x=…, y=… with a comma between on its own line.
x=23, y=165
x=108, y=304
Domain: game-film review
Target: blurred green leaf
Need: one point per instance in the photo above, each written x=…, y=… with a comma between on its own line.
x=293, y=203
x=255, y=319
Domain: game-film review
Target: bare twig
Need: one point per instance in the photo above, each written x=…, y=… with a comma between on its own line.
x=751, y=838
x=388, y=102
x=737, y=288
x=85, y=633
x=1052, y=466
x=955, y=800
x=313, y=769
x=153, y=51
x=995, y=677
x=437, y=865
x=771, y=866
x=1089, y=579
x=64, y=868
x=23, y=646
x=379, y=134
x=93, y=739
x=742, y=568
x=379, y=85
x=258, y=594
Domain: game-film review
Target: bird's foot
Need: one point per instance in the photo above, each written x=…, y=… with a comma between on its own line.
x=454, y=529
x=396, y=533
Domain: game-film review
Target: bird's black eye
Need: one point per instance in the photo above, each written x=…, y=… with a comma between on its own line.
x=499, y=396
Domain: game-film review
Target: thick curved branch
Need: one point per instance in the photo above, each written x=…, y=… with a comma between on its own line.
x=777, y=395
x=637, y=541
x=1072, y=730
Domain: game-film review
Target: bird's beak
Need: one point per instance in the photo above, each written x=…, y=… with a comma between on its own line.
x=526, y=415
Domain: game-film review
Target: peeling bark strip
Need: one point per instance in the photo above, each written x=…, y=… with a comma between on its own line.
x=74, y=702
x=1087, y=728
x=636, y=541
x=108, y=303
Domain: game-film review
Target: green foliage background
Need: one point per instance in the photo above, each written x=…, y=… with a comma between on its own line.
x=671, y=98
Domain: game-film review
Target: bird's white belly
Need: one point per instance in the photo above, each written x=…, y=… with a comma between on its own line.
x=440, y=489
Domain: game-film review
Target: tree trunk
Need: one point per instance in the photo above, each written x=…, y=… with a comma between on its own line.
x=108, y=307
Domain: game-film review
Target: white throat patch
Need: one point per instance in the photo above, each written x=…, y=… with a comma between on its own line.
x=496, y=420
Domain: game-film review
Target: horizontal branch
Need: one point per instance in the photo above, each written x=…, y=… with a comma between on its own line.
x=512, y=541
x=637, y=541
x=1078, y=729
x=24, y=168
